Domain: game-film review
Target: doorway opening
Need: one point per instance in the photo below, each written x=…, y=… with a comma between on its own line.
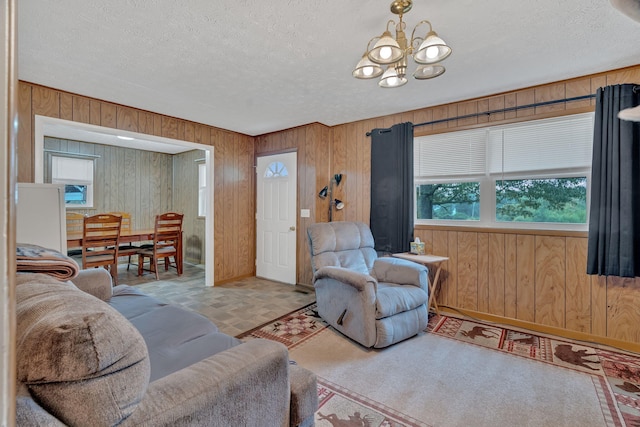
x=276, y=219
x=65, y=129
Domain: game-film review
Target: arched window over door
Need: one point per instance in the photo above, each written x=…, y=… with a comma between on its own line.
x=276, y=170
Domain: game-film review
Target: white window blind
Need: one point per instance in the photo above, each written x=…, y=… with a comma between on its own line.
x=77, y=175
x=461, y=154
x=559, y=143
x=71, y=170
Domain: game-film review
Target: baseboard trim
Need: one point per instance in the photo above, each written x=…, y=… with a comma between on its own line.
x=301, y=287
x=589, y=339
x=233, y=279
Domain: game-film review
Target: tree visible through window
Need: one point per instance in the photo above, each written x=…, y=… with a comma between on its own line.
x=531, y=172
x=459, y=201
x=542, y=200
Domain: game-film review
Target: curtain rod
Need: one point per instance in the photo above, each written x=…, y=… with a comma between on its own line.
x=503, y=110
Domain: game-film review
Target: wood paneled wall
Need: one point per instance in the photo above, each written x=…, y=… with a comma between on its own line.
x=530, y=277
x=312, y=145
x=185, y=201
x=535, y=279
x=234, y=233
x=126, y=180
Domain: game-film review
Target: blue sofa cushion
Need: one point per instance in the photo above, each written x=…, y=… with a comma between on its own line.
x=176, y=337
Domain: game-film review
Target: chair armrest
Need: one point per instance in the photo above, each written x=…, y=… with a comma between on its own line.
x=94, y=281
x=402, y=272
x=245, y=385
x=349, y=277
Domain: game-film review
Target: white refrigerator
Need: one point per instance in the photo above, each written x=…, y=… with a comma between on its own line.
x=41, y=216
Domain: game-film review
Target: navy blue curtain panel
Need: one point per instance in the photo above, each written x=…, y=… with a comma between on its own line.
x=391, y=219
x=614, y=216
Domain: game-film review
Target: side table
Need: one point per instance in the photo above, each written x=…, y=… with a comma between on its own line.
x=428, y=260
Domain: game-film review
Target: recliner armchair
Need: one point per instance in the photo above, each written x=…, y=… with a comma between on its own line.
x=376, y=301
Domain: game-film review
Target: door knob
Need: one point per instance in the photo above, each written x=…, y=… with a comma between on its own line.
x=292, y=228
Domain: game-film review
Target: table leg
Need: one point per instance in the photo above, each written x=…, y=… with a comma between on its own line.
x=433, y=286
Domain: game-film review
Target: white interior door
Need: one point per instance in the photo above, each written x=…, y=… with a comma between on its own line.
x=276, y=217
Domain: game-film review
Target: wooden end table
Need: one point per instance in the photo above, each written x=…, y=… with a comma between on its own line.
x=428, y=260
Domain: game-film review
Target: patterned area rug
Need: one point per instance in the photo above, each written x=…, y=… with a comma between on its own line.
x=615, y=375
x=338, y=407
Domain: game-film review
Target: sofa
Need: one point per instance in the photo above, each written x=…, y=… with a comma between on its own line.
x=89, y=354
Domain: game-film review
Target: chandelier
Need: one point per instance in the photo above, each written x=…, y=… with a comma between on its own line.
x=426, y=51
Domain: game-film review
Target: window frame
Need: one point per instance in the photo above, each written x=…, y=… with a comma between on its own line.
x=90, y=203
x=568, y=226
x=488, y=182
x=202, y=189
x=432, y=221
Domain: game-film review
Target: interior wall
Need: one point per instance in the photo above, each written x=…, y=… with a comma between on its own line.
x=313, y=146
x=234, y=234
x=126, y=180
x=185, y=201
x=143, y=183
x=324, y=151
x=530, y=277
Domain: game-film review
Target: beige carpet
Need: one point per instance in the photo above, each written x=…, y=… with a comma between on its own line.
x=460, y=373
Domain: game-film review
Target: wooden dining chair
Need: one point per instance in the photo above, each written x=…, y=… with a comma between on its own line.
x=126, y=249
x=100, y=239
x=167, y=243
x=74, y=227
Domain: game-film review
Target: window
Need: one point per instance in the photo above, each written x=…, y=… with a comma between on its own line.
x=457, y=201
x=276, y=170
x=448, y=169
x=562, y=200
x=202, y=189
x=532, y=174
x=77, y=174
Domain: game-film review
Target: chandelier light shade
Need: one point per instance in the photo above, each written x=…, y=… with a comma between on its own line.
x=424, y=72
x=386, y=50
x=427, y=52
x=390, y=78
x=366, y=69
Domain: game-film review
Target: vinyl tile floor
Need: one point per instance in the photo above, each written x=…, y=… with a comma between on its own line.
x=235, y=307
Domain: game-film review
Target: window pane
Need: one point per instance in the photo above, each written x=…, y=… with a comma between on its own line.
x=276, y=170
x=77, y=175
x=202, y=189
x=75, y=194
x=457, y=201
x=561, y=200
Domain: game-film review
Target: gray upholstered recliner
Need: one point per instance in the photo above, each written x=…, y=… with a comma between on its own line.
x=374, y=301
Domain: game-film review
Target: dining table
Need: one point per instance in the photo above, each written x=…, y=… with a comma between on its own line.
x=74, y=240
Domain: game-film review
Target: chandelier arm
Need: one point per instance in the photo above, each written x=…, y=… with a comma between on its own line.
x=413, y=33
x=369, y=44
x=392, y=22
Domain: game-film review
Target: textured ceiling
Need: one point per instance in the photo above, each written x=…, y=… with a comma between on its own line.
x=258, y=67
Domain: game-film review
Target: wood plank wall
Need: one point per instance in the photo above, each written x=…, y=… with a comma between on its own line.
x=312, y=145
x=185, y=201
x=324, y=151
x=537, y=279
x=116, y=169
x=234, y=234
